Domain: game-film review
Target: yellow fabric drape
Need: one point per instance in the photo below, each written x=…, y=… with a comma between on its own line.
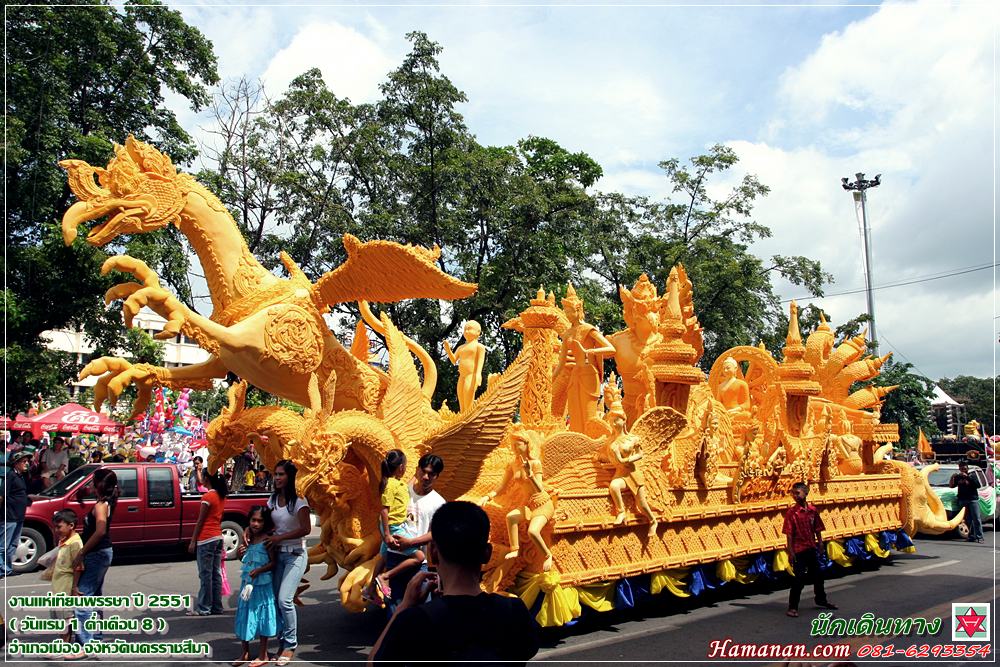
x=598, y=598
x=559, y=606
x=743, y=575
x=672, y=580
x=725, y=570
x=836, y=553
x=872, y=545
x=782, y=562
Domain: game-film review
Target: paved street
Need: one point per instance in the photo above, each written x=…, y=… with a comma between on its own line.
x=920, y=584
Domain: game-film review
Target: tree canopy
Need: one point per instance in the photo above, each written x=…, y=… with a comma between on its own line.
x=79, y=79
x=909, y=405
x=301, y=170
x=979, y=395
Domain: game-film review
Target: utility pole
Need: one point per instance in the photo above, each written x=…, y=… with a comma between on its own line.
x=858, y=187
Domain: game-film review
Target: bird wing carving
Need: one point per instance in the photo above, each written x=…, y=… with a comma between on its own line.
x=657, y=429
x=385, y=272
x=562, y=448
x=464, y=444
x=404, y=409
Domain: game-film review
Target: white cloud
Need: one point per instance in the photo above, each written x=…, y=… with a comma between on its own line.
x=545, y=72
x=905, y=92
x=633, y=182
x=352, y=64
x=902, y=58
x=242, y=37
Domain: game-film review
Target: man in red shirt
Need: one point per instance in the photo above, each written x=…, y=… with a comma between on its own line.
x=804, y=529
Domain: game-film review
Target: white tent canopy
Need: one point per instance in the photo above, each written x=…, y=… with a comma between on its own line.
x=941, y=398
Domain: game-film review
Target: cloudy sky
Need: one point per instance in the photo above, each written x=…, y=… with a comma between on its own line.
x=804, y=94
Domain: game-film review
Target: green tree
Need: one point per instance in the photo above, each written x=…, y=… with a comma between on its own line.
x=209, y=403
x=509, y=218
x=979, y=395
x=406, y=168
x=909, y=405
x=78, y=79
x=733, y=295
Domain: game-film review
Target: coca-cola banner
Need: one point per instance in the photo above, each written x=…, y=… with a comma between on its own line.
x=69, y=418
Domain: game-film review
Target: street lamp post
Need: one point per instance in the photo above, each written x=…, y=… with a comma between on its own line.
x=858, y=187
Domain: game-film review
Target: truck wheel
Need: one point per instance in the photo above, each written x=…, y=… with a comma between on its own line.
x=232, y=538
x=29, y=550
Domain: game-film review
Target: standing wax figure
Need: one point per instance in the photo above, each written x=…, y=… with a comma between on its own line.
x=464, y=624
x=470, y=358
x=580, y=368
x=804, y=529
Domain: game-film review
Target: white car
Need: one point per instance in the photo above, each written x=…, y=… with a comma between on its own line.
x=940, y=478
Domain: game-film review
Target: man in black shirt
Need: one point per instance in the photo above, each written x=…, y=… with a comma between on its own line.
x=464, y=624
x=16, y=503
x=968, y=497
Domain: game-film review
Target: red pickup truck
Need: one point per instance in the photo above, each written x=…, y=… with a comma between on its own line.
x=151, y=510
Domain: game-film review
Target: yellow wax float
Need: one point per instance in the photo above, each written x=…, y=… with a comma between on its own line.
x=671, y=482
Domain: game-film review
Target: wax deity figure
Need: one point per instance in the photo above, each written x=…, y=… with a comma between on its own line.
x=580, y=368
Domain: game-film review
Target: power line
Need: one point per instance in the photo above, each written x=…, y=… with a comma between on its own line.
x=914, y=281
x=906, y=359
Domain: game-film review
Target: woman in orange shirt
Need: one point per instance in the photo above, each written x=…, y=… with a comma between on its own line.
x=206, y=541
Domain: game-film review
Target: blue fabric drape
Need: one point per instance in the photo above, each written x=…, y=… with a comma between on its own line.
x=855, y=548
x=887, y=539
x=762, y=567
x=702, y=579
x=631, y=591
x=903, y=540
x=824, y=561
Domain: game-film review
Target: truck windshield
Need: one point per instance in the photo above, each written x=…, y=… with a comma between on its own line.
x=941, y=477
x=69, y=482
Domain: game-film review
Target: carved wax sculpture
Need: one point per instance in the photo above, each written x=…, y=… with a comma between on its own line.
x=640, y=335
x=581, y=367
x=470, y=358
x=734, y=392
x=264, y=329
x=626, y=453
x=524, y=475
x=708, y=462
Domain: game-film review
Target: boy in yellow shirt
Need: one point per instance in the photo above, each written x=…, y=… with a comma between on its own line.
x=65, y=577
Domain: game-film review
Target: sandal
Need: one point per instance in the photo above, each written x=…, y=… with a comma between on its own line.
x=257, y=662
x=792, y=613
x=238, y=662
x=284, y=659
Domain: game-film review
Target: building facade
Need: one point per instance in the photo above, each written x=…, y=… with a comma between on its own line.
x=178, y=351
